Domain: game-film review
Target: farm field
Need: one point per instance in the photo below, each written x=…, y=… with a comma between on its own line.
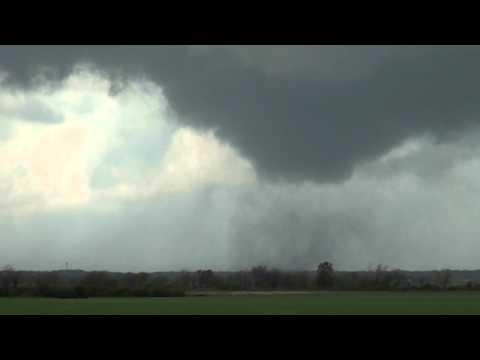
x=346, y=303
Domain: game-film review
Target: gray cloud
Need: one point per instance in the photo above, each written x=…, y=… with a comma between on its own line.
x=318, y=116
x=296, y=112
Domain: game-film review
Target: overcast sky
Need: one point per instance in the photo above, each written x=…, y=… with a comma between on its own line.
x=150, y=158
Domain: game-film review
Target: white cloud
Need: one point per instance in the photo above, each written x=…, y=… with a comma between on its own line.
x=106, y=147
x=407, y=148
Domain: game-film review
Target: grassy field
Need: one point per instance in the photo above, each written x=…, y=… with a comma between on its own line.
x=290, y=304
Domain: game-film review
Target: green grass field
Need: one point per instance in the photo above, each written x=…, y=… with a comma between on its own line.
x=289, y=304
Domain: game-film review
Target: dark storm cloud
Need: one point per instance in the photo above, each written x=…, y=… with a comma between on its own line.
x=297, y=113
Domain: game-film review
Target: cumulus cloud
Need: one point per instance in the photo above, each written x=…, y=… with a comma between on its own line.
x=105, y=144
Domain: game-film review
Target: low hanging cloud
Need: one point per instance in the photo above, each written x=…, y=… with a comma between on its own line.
x=296, y=112
x=384, y=213
x=161, y=158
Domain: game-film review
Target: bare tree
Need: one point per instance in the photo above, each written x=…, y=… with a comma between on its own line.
x=325, y=274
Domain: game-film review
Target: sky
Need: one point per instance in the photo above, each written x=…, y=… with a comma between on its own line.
x=156, y=158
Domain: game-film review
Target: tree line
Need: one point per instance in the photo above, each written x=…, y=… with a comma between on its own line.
x=92, y=284
x=260, y=278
